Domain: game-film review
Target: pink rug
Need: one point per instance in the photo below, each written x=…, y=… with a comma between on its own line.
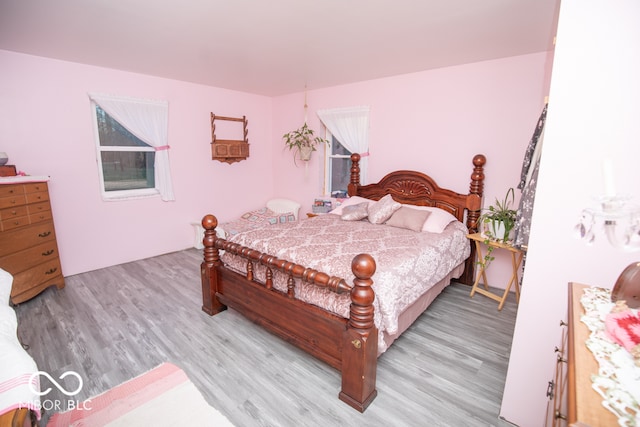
x=163, y=396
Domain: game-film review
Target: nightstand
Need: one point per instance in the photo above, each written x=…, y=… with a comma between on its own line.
x=516, y=260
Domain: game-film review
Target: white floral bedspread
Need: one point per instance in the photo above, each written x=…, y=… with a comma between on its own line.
x=408, y=263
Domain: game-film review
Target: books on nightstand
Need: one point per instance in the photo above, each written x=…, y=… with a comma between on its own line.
x=321, y=206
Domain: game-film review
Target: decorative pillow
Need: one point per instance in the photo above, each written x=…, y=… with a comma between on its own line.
x=355, y=212
x=354, y=200
x=285, y=217
x=411, y=219
x=382, y=210
x=255, y=219
x=437, y=220
x=263, y=215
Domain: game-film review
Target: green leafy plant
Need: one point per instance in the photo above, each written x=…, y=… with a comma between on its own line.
x=500, y=212
x=486, y=260
x=302, y=138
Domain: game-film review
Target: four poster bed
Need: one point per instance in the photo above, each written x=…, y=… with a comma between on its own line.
x=312, y=282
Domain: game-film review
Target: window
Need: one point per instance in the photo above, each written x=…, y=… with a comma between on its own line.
x=126, y=162
x=132, y=150
x=338, y=167
x=347, y=133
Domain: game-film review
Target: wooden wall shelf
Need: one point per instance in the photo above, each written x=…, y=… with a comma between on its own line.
x=229, y=150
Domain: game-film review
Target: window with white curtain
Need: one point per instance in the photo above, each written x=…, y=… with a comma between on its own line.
x=337, y=166
x=132, y=149
x=347, y=133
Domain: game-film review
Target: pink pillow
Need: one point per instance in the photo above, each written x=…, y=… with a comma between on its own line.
x=411, y=219
x=437, y=220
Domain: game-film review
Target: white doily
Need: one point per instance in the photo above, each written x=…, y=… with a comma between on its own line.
x=618, y=378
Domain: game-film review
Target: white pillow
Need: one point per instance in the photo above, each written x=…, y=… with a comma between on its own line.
x=353, y=200
x=437, y=221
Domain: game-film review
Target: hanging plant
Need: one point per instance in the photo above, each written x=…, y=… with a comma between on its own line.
x=303, y=142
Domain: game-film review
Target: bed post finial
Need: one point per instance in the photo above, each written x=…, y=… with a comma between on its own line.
x=354, y=181
x=474, y=206
x=209, y=267
x=477, y=188
x=360, y=344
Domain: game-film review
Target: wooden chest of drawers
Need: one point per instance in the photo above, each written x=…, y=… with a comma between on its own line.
x=28, y=247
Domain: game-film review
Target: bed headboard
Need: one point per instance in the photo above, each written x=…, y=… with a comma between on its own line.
x=417, y=188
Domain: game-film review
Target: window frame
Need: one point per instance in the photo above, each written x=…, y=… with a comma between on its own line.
x=328, y=171
x=115, y=195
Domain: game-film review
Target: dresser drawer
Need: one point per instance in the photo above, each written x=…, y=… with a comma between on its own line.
x=36, y=187
x=14, y=212
x=41, y=196
x=41, y=216
x=19, y=261
x=38, y=207
x=36, y=275
x=23, y=238
x=11, y=190
x=12, y=201
x=10, y=224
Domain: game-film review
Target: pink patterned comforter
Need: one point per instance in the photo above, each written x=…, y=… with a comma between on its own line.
x=408, y=263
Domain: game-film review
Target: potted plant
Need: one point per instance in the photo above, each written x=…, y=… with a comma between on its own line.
x=303, y=141
x=499, y=219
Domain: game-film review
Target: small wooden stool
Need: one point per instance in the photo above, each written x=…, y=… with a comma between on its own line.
x=516, y=260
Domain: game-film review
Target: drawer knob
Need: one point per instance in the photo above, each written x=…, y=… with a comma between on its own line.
x=45, y=234
x=47, y=253
x=52, y=270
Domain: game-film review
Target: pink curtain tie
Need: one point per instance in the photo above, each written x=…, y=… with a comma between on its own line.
x=162, y=147
x=364, y=154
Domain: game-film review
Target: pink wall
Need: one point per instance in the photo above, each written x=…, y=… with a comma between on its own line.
x=46, y=129
x=419, y=120
x=416, y=121
x=594, y=105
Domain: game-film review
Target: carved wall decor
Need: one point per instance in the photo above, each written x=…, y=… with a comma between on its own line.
x=229, y=150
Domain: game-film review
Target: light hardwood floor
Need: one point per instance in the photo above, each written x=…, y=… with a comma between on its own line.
x=113, y=324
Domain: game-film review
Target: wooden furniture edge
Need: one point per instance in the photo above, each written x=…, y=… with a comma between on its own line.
x=19, y=417
x=584, y=404
x=349, y=345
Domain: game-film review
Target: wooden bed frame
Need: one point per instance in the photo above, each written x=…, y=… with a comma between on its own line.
x=349, y=345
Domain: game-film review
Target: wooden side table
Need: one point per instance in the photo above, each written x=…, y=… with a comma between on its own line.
x=516, y=260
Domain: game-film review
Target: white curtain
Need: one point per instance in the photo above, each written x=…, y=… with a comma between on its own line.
x=147, y=120
x=350, y=126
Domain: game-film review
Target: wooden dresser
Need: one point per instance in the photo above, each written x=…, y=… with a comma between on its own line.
x=574, y=401
x=584, y=404
x=28, y=247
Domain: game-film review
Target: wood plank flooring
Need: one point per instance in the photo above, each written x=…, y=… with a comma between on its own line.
x=113, y=324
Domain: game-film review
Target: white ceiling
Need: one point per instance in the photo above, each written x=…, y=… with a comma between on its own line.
x=276, y=47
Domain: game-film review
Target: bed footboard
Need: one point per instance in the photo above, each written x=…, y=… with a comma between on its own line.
x=349, y=345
